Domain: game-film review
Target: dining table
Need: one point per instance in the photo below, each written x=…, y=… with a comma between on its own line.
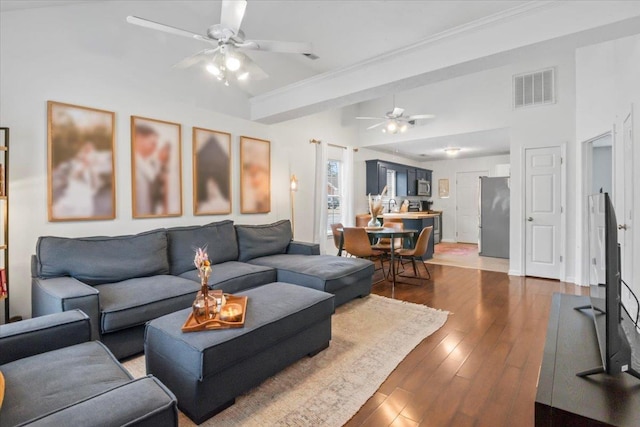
x=384, y=233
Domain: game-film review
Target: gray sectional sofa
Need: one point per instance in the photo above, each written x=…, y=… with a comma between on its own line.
x=123, y=282
x=56, y=376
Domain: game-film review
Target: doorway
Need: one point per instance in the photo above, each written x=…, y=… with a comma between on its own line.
x=597, y=175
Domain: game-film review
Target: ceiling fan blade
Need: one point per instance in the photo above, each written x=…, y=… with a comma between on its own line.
x=277, y=46
x=397, y=112
x=232, y=14
x=167, y=29
x=194, y=59
x=375, y=126
x=249, y=66
x=421, y=116
x=371, y=118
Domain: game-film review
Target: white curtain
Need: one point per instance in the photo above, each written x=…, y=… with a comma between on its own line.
x=348, y=198
x=320, y=201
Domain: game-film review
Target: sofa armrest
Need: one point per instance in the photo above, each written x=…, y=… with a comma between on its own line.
x=303, y=248
x=64, y=294
x=142, y=402
x=42, y=334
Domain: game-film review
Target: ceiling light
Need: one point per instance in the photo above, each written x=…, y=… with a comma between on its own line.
x=232, y=63
x=213, y=69
x=403, y=127
x=392, y=126
x=452, y=151
x=243, y=76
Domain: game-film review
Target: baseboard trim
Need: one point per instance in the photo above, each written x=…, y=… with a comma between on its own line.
x=515, y=273
x=448, y=241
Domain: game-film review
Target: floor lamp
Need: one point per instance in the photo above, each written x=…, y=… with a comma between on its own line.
x=293, y=187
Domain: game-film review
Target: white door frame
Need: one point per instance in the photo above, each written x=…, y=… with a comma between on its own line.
x=583, y=220
x=563, y=209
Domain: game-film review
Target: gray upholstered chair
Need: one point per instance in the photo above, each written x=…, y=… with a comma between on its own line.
x=55, y=376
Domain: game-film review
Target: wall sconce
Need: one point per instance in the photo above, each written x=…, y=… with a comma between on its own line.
x=293, y=186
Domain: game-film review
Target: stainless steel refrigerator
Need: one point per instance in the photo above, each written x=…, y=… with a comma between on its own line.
x=494, y=217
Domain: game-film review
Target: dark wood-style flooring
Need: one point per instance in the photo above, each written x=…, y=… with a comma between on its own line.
x=481, y=368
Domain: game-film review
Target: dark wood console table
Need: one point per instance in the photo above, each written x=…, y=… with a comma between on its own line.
x=563, y=399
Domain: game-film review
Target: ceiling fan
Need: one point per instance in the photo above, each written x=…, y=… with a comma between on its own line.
x=225, y=59
x=395, y=121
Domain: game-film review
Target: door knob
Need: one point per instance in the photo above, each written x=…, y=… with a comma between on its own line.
x=622, y=226
x=530, y=219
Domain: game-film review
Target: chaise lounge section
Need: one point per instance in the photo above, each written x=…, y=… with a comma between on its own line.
x=123, y=282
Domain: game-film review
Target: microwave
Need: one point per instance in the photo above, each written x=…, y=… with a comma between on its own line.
x=424, y=188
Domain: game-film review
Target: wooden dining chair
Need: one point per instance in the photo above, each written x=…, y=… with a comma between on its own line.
x=417, y=253
x=357, y=244
x=337, y=235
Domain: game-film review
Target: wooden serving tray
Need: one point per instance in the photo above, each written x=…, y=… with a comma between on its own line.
x=192, y=326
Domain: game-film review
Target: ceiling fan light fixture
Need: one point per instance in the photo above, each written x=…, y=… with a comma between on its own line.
x=213, y=69
x=403, y=128
x=452, y=151
x=243, y=76
x=232, y=62
x=392, y=126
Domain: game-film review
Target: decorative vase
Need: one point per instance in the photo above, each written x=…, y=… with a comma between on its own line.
x=205, y=305
x=374, y=222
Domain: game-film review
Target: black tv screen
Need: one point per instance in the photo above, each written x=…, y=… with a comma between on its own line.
x=605, y=285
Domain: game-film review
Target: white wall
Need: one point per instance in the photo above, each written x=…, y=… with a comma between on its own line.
x=47, y=55
x=448, y=169
x=607, y=85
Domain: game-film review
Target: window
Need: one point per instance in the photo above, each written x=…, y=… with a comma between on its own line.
x=334, y=181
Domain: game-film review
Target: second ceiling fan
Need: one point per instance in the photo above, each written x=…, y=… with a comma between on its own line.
x=395, y=121
x=225, y=59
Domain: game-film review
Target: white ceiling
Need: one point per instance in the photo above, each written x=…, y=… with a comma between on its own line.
x=472, y=144
x=342, y=32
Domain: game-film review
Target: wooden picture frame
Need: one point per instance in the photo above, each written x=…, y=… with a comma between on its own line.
x=156, y=168
x=81, y=183
x=255, y=175
x=443, y=188
x=211, y=172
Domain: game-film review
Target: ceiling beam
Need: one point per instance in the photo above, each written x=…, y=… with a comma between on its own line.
x=482, y=44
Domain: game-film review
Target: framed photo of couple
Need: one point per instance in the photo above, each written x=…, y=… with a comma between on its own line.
x=80, y=157
x=211, y=172
x=156, y=168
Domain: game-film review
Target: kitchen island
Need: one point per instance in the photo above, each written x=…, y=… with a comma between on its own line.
x=418, y=221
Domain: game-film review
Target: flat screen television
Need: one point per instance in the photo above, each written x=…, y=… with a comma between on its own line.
x=605, y=289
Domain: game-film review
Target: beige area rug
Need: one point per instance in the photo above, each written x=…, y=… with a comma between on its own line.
x=466, y=256
x=371, y=336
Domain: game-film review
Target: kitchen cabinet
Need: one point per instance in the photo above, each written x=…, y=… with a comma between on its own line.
x=406, y=177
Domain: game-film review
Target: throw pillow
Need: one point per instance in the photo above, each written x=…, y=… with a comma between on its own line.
x=256, y=241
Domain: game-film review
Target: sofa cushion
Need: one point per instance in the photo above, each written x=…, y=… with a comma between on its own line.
x=97, y=260
x=234, y=276
x=218, y=237
x=322, y=272
x=261, y=240
x=51, y=381
x=136, y=301
x=275, y=312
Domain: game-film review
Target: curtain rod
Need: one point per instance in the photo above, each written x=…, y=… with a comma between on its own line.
x=317, y=141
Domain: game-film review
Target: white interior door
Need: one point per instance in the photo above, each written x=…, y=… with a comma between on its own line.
x=468, y=206
x=625, y=221
x=543, y=212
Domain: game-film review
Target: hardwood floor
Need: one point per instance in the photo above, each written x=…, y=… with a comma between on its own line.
x=481, y=368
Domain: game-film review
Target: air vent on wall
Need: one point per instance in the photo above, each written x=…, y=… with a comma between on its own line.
x=534, y=88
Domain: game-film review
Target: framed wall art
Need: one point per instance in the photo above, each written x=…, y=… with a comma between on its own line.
x=156, y=168
x=211, y=172
x=255, y=175
x=443, y=188
x=81, y=182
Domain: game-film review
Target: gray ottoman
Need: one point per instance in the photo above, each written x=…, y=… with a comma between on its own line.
x=208, y=370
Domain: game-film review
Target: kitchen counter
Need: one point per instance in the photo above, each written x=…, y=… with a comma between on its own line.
x=412, y=215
